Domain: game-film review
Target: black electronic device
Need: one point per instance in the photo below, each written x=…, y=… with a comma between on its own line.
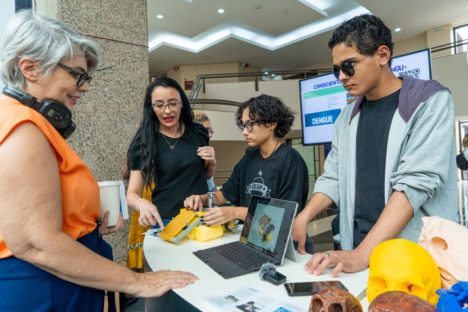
x=59, y=116
x=310, y=288
x=276, y=278
x=268, y=273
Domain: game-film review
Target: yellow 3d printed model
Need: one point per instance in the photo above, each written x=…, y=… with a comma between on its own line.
x=183, y=223
x=189, y=222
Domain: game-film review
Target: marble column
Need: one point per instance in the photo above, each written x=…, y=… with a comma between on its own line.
x=108, y=115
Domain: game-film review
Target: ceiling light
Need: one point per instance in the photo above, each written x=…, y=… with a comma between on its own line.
x=159, y=16
x=266, y=73
x=398, y=29
x=228, y=30
x=318, y=6
x=220, y=11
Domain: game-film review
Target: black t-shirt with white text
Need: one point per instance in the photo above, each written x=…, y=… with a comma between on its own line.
x=283, y=175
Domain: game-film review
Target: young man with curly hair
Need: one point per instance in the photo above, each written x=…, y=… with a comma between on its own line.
x=392, y=157
x=269, y=167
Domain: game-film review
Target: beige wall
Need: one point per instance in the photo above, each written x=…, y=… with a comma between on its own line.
x=431, y=38
x=410, y=45
x=324, y=66
x=452, y=71
x=175, y=74
x=183, y=73
x=439, y=36
x=223, y=122
x=228, y=154
x=247, y=68
x=224, y=126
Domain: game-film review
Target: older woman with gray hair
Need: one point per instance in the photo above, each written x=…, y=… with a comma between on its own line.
x=52, y=255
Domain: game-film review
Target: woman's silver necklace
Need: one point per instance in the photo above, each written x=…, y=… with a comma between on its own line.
x=260, y=172
x=175, y=142
x=167, y=141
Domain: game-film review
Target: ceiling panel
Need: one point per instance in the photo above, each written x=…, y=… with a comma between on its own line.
x=273, y=17
x=189, y=18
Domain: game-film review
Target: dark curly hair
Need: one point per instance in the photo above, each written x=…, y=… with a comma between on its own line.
x=367, y=32
x=266, y=109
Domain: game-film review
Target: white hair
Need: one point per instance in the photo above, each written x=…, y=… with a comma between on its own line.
x=41, y=39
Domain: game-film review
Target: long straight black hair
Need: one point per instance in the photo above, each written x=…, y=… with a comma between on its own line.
x=149, y=128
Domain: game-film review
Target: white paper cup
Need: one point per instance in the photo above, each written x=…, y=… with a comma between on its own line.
x=110, y=200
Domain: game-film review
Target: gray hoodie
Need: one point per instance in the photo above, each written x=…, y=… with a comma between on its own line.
x=420, y=158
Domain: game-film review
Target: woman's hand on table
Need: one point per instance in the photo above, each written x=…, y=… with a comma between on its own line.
x=194, y=202
x=104, y=229
x=341, y=261
x=149, y=214
x=155, y=284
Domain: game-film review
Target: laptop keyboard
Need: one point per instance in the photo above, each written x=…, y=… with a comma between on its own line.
x=245, y=257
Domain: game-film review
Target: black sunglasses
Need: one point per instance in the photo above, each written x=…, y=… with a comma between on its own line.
x=81, y=77
x=347, y=67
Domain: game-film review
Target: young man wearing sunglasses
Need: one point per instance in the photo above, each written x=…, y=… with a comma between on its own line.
x=392, y=157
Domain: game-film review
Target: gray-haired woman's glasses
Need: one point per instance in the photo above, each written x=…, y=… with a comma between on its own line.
x=81, y=77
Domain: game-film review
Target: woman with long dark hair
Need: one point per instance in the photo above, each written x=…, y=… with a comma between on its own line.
x=169, y=150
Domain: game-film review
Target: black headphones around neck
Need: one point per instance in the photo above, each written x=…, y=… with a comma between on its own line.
x=56, y=113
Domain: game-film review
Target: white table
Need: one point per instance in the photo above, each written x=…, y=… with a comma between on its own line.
x=162, y=255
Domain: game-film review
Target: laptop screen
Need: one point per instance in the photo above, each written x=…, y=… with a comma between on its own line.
x=268, y=225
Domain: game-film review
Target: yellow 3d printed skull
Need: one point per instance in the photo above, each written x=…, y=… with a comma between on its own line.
x=203, y=233
x=402, y=265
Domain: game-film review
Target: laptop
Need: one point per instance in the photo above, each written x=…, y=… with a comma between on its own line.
x=265, y=238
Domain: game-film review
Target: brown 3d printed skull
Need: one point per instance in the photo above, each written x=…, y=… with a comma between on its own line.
x=402, y=265
x=396, y=301
x=334, y=300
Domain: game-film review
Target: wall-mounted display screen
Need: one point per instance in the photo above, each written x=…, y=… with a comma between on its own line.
x=323, y=97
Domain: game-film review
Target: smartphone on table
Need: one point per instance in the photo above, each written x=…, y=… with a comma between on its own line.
x=310, y=288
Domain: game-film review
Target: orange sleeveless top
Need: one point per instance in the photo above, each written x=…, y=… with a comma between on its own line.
x=80, y=191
